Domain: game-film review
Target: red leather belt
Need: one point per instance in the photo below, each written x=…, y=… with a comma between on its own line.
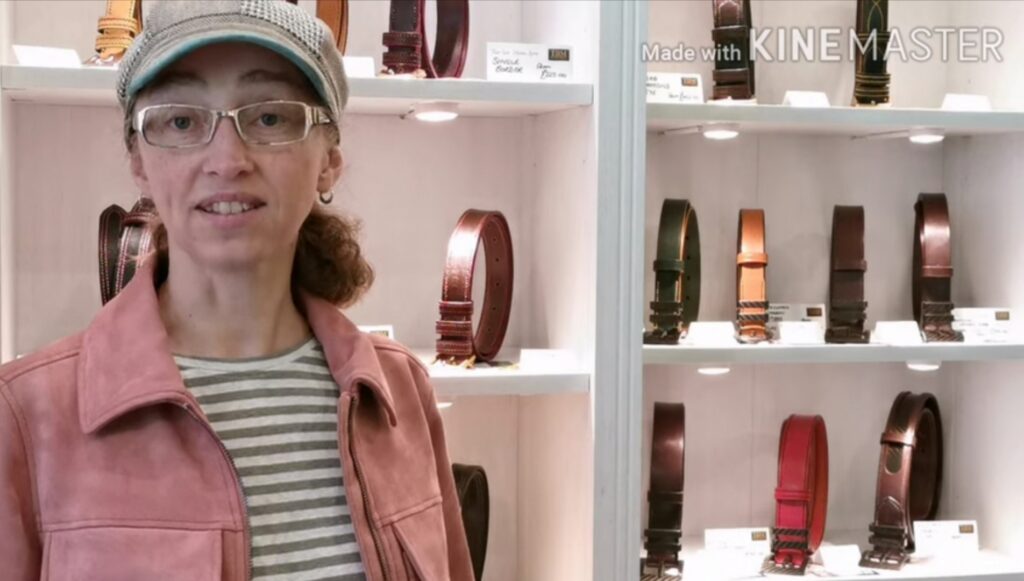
x=118, y=26
x=933, y=269
x=909, y=479
x=475, y=503
x=124, y=237
x=676, y=274
x=847, y=310
x=407, y=48
x=871, y=84
x=751, y=272
x=734, y=77
x=801, y=498
x=458, y=343
x=665, y=496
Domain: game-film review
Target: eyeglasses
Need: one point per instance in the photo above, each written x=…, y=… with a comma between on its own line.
x=267, y=123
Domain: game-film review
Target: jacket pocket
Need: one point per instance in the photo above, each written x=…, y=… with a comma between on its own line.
x=133, y=554
x=424, y=544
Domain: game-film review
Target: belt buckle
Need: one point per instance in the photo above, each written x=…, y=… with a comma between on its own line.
x=661, y=570
x=452, y=361
x=787, y=567
x=890, y=559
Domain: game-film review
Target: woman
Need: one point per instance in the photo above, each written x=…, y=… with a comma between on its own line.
x=220, y=418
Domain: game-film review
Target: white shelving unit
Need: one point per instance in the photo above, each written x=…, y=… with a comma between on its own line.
x=868, y=353
x=538, y=372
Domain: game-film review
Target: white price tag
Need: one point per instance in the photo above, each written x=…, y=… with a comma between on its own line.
x=840, y=559
x=966, y=102
x=711, y=334
x=797, y=323
x=509, y=61
x=896, y=333
x=815, y=99
x=989, y=325
x=46, y=56
x=382, y=330
x=740, y=542
x=674, y=88
x=358, y=66
x=941, y=538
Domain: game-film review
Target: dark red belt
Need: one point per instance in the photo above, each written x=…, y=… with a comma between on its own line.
x=909, y=479
x=734, y=77
x=933, y=269
x=475, y=503
x=847, y=309
x=871, y=83
x=124, y=237
x=458, y=343
x=407, y=48
x=676, y=274
x=665, y=495
x=801, y=498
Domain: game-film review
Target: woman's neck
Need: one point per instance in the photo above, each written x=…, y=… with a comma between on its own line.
x=230, y=314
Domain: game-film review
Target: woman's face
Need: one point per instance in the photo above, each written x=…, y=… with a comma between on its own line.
x=280, y=183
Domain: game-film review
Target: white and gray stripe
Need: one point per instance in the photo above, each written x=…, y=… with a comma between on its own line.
x=278, y=418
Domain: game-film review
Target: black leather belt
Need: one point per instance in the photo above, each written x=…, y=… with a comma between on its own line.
x=847, y=309
x=676, y=274
x=734, y=67
x=871, y=84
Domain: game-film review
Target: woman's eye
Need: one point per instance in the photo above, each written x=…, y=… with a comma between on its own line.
x=269, y=119
x=181, y=123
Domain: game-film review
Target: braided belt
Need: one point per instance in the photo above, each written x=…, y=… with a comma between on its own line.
x=801, y=497
x=933, y=269
x=124, y=237
x=662, y=537
x=909, y=479
x=408, y=51
x=871, y=83
x=734, y=78
x=847, y=308
x=676, y=274
x=118, y=26
x=474, y=500
x=751, y=285
x=457, y=342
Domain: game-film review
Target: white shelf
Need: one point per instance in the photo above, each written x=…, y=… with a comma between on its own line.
x=848, y=121
x=870, y=353
x=540, y=371
x=371, y=96
x=986, y=565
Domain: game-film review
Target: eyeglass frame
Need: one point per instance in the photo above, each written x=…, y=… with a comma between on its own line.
x=315, y=115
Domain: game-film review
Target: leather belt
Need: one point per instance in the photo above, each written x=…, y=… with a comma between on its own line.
x=335, y=14
x=118, y=26
x=458, y=343
x=124, y=237
x=665, y=496
x=847, y=308
x=933, y=269
x=751, y=273
x=909, y=479
x=871, y=84
x=733, y=77
x=407, y=48
x=801, y=498
x=474, y=500
x=676, y=274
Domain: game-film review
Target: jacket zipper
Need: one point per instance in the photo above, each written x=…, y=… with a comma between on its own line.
x=238, y=485
x=366, y=500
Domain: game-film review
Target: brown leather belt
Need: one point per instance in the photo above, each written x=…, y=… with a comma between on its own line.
x=335, y=14
x=751, y=275
x=665, y=494
x=933, y=269
x=474, y=500
x=407, y=48
x=733, y=77
x=909, y=479
x=118, y=26
x=871, y=84
x=801, y=497
x=124, y=237
x=458, y=343
x=847, y=310
x=676, y=274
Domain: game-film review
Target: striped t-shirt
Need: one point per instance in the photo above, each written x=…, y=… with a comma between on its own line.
x=278, y=418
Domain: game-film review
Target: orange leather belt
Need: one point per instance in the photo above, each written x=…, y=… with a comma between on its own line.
x=734, y=77
x=909, y=479
x=933, y=269
x=406, y=40
x=801, y=498
x=665, y=496
x=124, y=237
x=751, y=276
x=118, y=26
x=871, y=83
x=676, y=274
x=847, y=309
x=458, y=343
x=335, y=14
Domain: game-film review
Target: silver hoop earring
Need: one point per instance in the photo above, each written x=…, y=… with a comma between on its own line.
x=326, y=197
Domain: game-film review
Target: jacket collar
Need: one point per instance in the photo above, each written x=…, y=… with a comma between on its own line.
x=126, y=361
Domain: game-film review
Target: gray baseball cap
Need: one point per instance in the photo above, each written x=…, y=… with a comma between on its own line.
x=174, y=28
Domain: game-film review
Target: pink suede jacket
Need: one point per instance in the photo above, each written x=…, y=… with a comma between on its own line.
x=110, y=471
